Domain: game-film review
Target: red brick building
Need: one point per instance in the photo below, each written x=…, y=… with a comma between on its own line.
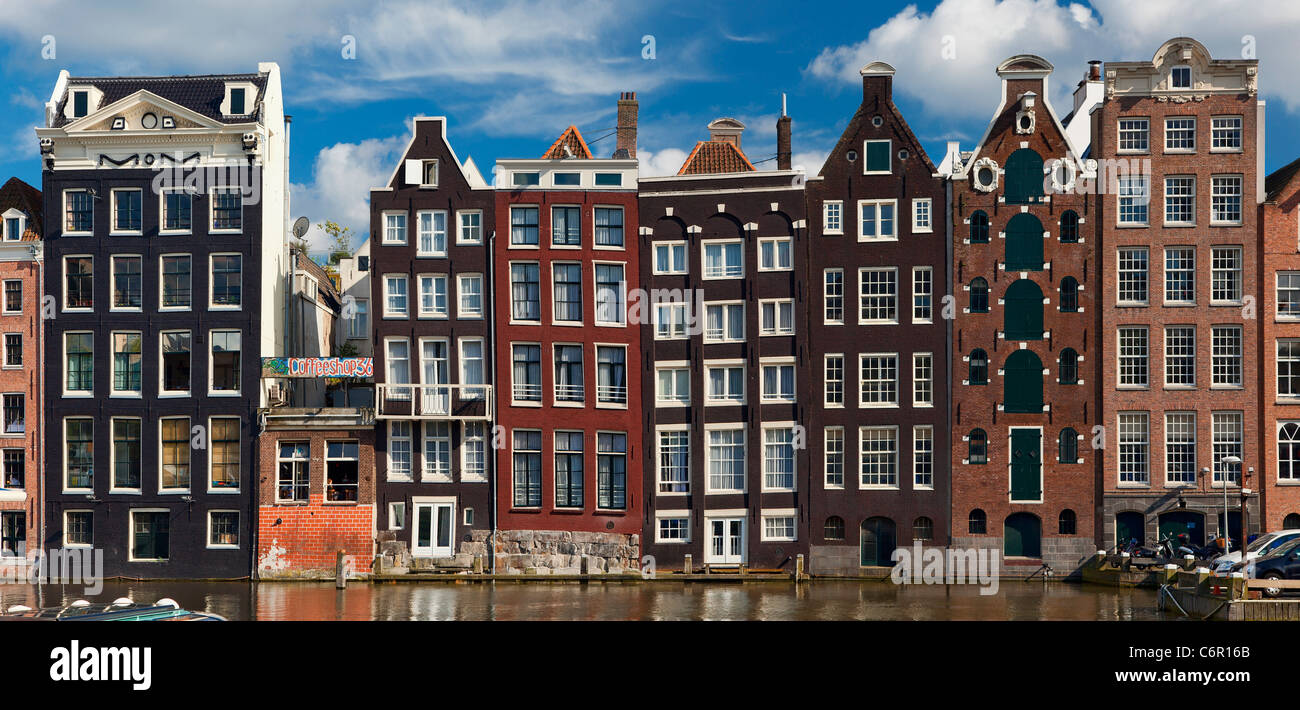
x=1179, y=141
x=1279, y=371
x=20, y=368
x=567, y=357
x=1024, y=334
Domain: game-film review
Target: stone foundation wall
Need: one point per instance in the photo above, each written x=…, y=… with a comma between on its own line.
x=562, y=551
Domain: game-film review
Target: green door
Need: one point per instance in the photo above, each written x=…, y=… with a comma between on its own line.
x=1026, y=464
x=1022, y=315
x=1178, y=522
x=1129, y=526
x=878, y=542
x=1024, y=177
x=1022, y=536
x=1024, y=243
x=1022, y=383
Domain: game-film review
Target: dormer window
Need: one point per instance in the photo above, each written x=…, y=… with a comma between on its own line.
x=80, y=103
x=14, y=224
x=237, y=100
x=240, y=99
x=429, y=173
x=1181, y=78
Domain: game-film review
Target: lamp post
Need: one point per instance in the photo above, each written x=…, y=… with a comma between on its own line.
x=1223, y=527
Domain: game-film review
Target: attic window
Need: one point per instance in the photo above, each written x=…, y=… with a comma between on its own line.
x=1181, y=78
x=237, y=102
x=80, y=103
x=609, y=179
x=525, y=179
x=567, y=178
x=13, y=226
x=429, y=173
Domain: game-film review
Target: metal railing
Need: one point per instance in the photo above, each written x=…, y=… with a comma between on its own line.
x=402, y=401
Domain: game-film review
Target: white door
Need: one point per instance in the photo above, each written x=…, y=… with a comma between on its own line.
x=726, y=541
x=434, y=530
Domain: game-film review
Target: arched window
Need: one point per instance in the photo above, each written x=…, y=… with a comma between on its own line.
x=1067, y=522
x=834, y=529
x=1022, y=535
x=1067, y=446
x=979, y=295
x=977, y=523
x=1291, y=522
x=1022, y=382
x=1069, y=295
x=979, y=368
x=979, y=227
x=977, y=451
x=1022, y=317
x=922, y=529
x=1070, y=227
x=1069, y=371
x=1024, y=177
x=1024, y=243
x=1288, y=452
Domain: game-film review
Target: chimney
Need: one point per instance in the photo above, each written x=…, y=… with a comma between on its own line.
x=726, y=130
x=877, y=81
x=625, y=143
x=1094, y=70
x=783, y=139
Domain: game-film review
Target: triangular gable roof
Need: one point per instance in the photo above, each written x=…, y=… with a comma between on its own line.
x=711, y=157
x=415, y=130
x=1279, y=179
x=141, y=96
x=569, y=145
x=852, y=129
x=1027, y=65
x=19, y=195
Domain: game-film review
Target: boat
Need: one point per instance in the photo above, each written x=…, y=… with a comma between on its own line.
x=122, y=609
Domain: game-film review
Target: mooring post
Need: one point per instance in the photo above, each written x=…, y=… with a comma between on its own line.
x=798, y=567
x=478, y=564
x=340, y=574
x=686, y=565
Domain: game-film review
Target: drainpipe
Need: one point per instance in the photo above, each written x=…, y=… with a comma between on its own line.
x=489, y=435
x=948, y=322
x=38, y=263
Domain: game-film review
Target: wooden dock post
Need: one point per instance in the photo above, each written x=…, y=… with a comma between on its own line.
x=687, y=565
x=340, y=574
x=798, y=567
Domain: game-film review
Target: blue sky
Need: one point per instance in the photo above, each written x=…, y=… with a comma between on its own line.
x=511, y=75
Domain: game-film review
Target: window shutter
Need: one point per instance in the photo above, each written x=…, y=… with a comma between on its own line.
x=413, y=172
x=878, y=156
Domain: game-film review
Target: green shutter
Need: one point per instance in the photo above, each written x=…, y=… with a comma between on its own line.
x=1023, y=311
x=1024, y=243
x=1024, y=177
x=878, y=156
x=1022, y=383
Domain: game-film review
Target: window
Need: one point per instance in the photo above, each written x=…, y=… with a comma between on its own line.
x=568, y=373
x=1067, y=446
x=922, y=379
x=237, y=101
x=397, y=357
x=178, y=211
x=977, y=447
x=611, y=471
x=78, y=453
x=428, y=173
x=1225, y=199
x=878, y=156
x=1180, y=356
x=977, y=522
x=673, y=530
x=431, y=232
x=1225, y=133
x=126, y=363
x=1069, y=227
x=1134, y=134
x=876, y=219
x=834, y=456
x=778, y=382
x=1288, y=454
x=79, y=363
x=923, y=457
x=566, y=284
x=1133, y=356
x=670, y=321
x=673, y=385
x=922, y=294
x=566, y=226
x=609, y=226
x=13, y=296
x=473, y=452
x=609, y=294
x=15, y=413
x=176, y=293
x=674, y=462
x=525, y=292
x=1225, y=275
x=833, y=289
x=568, y=469
x=80, y=103
x=79, y=281
x=878, y=447
x=832, y=217
x=399, y=450
x=228, y=210
x=523, y=226
x=724, y=260
x=834, y=528
x=150, y=536
x=778, y=528
x=78, y=212
x=174, y=462
x=670, y=258
x=726, y=460
x=921, y=215
x=223, y=528
x=394, y=228
x=1069, y=295
x=471, y=227
x=342, y=466
x=724, y=322
x=1180, y=447
x=776, y=317
x=1132, y=263
x=878, y=295
x=979, y=295
x=1133, y=444
x=726, y=384
x=13, y=228
x=1225, y=356
x=126, y=454
x=1180, y=78
x=833, y=380
x=359, y=323
x=1180, y=134
x=433, y=296
x=1134, y=199
x=774, y=254
x=395, y=296
x=922, y=529
x=527, y=383
x=978, y=368
x=1180, y=275
x=471, y=367
x=608, y=179
x=979, y=227
x=1288, y=367
x=1180, y=200
x=224, y=459
x=226, y=351
x=13, y=349
x=1288, y=295
x=1069, y=372
x=521, y=179
x=566, y=178
x=1066, y=522
x=126, y=211
x=14, y=469
x=127, y=282
x=878, y=374
x=778, y=459
x=611, y=375
x=436, y=460
x=1227, y=431
x=227, y=280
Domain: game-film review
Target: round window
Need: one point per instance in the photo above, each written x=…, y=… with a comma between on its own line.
x=902, y=154
x=149, y=120
x=984, y=176
x=877, y=121
x=1026, y=122
x=852, y=155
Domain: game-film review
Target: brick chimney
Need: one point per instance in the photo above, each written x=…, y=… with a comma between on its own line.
x=877, y=82
x=783, y=139
x=625, y=143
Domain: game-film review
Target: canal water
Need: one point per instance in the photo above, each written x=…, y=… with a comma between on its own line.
x=657, y=601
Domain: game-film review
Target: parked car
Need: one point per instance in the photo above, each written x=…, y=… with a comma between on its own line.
x=1262, y=545
x=1282, y=563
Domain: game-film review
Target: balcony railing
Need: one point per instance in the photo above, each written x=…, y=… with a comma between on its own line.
x=611, y=394
x=569, y=393
x=399, y=401
x=525, y=392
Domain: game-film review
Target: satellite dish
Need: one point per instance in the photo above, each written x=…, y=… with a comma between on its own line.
x=300, y=227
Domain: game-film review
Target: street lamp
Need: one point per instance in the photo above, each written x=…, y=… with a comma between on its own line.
x=1223, y=527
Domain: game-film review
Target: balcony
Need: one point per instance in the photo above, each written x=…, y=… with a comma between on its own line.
x=611, y=394
x=569, y=393
x=400, y=401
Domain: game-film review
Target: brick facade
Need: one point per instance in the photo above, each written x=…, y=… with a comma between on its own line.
x=1279, y=485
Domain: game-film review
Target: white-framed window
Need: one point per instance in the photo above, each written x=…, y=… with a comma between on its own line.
x=1226, y=356
x=673, y=460
x=14, y=224
x=127, y=359
x=566, y=292
x=1225, y=199
x=670, y=321
x=431, y=233
x=922, y=215
x=833, y=217
x=1180, y=448
x=177, y=211
x=293, y=471
x=125, y=454
x=833, y=379
x=566, y=226
x=775, y=254
x=723, y=259
x=833, y=293
x=1227, y=429
x=1288, y=451
x=672, y=385
x=724, y=383
x=224, y=362
x=79, y=283
x=1180, y=356
x=778, y=526
x=433, y=295
x=150, y=535
x=397, y=515
x=922, y=379
x=877, y=157
x=429, y=173
x=1288, y=368
x=470, y=224
x=399, y=450
x=226, y=288
x=176, y=273
x=1133, y=351
x=1134, y=448
x=1134, y=198
x=78, y=363
x=224, y=454
x=1180, y=275
x=1225, y=134
x=227, y=210
x=78, y=454
x=778, y=459
x=877, y=220
x=394, y=227
x=778, y=380
x=776, y=317
x=724, y=322
x=878, y=457
x=471, y=367
x=725, y=458
x=878, y=295
x=469, y=292
x=176, y=457
x=610, y=294
x=833, y=457
x=922, y=294
x=78, y=528
x=128, y=282
x=611, y=375
x=473, y=452
x=1133, y=264
x=1225, y=275
x=878, y=378
x=526, y=468
x=1288, y=295
x=525, y=291
x=1180, y=77
x=670, y=258
x=923, y=457
x=608, y=227
x=672, y=528
x=1180, y=200
x=437, y=453
x=396, y=296
x=78, y=213
x=13, y=297
x=13, y=350
x=1134, y=135
x=526, y=378
x=397, y=358
x=343, y=469
x=128, y=203
x=524, y=229
x=359, y=322
x=1180, y=134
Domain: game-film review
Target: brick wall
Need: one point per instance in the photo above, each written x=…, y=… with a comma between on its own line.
x=1281, y=252
x=25, y=379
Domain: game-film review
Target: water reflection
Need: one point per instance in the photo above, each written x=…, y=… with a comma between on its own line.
x=660, y=601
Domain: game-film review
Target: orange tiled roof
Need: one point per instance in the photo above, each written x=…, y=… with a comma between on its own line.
x=715, y=157
x=572, y=140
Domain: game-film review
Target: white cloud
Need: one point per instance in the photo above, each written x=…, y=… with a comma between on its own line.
x=653, y=163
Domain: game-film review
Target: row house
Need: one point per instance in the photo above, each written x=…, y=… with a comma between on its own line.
x=569, y=402
x=431, y=314
x=877, y=367
x=164, y=201
x=1024, y=341
x=723, y=253
x=21, y=387
x=1180, y=144
x=1279, y=354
